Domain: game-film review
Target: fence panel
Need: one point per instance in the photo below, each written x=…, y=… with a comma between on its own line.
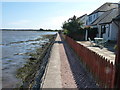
x=100, y=67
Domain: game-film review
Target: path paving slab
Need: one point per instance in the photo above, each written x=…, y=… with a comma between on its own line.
x=53, y=75
x=65, y=69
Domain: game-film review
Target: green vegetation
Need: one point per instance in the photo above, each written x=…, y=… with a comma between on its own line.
x=73, y=28
x=28, y=72
x=49, y=30
x=9, y=60
x=92, y=32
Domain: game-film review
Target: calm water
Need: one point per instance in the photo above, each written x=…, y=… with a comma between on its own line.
x=14, y=46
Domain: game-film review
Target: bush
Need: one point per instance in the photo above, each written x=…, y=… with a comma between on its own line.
x=66, y=32
x=73, y=28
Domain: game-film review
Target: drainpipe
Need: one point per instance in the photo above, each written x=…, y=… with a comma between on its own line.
x=86, y=34
x=117, y=60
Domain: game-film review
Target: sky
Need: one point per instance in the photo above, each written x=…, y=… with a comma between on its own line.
x=47, y=14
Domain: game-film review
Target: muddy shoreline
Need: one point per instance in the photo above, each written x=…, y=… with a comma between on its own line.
x=29, y=71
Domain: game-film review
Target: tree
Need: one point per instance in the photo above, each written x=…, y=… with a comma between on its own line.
x=73, y=27
x=41, y=29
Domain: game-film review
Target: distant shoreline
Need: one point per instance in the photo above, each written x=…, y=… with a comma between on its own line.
x=27, y=30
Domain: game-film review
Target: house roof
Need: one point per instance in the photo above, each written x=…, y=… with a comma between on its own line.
x=117, y=18
x=106, y=17
x=82, y=16
x=110, y=17
x=105, y=7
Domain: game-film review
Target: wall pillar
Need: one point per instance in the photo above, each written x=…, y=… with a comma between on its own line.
x=86, y=35
x=117, y=60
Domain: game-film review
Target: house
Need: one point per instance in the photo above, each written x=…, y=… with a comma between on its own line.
x=102, y=20
x=98, y=12
x=107, y=28
x=83, y=19
x=117, y=19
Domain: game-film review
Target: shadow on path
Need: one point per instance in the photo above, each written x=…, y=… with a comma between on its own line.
x=59, y=42
x=82, y=77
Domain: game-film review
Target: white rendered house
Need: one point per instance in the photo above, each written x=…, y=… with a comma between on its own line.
x=102, y=19
x=107, y=28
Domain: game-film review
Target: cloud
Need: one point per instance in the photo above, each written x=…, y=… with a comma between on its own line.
x=20, y=22
x=57, y=21
x=46, y=23
x=42, y=0
x=53, y=22
x=88, y=1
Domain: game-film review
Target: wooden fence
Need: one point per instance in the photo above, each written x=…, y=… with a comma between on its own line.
x=101, y=68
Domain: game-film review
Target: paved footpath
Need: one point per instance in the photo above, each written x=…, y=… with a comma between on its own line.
x=65, y=70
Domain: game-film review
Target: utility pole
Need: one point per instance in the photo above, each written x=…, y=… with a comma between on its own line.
x=117, y=60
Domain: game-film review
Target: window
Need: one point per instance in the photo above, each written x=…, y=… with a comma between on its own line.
x=97, y=15
x=90, y=18
x=109, y=30
x=94, y=16
x=103, y=29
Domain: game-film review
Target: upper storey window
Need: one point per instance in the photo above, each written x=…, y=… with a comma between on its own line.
x=90, y=18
